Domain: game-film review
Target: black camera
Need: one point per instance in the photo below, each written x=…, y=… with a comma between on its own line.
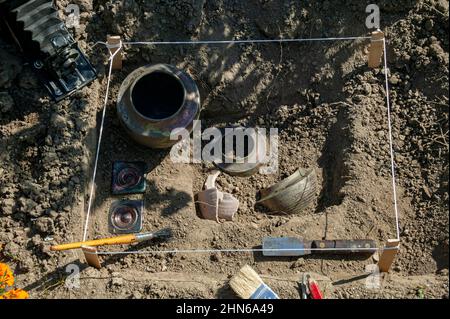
x=46, y=43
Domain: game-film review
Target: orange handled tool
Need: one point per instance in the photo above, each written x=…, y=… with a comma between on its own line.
x=118, y=240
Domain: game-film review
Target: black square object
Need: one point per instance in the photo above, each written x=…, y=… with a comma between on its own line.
x=125, y=216
x=128, y=177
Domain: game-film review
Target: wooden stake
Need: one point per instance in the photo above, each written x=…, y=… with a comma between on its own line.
x=114, y=40
x=376, y=49
x=90, y=254
x=387, y=256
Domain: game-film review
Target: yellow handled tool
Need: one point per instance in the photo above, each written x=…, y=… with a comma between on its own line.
x=118, y=240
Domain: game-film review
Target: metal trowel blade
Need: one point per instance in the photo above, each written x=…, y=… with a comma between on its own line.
x=284, y=246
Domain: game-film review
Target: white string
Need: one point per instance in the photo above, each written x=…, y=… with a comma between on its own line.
x=391, y=149
x=281, y=40
x=120, y=45
x=240, y=250
x=109, y=45
x=97, y=153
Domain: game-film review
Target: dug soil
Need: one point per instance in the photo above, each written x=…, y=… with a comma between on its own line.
x=331, y=114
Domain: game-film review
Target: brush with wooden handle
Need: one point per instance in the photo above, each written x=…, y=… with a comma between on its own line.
x=118, y=240
x=247, y=284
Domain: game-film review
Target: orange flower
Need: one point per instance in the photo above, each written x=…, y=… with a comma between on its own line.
x=15, y=294
x=6, y=276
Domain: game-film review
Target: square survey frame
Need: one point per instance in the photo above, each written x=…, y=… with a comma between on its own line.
x=115, y=50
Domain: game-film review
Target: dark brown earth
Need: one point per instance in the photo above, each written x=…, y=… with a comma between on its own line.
x=329, y=108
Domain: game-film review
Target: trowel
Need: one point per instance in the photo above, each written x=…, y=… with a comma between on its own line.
x=292, y=246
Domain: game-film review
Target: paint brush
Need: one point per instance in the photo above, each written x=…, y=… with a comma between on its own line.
x=118, y=240
x=248, y=285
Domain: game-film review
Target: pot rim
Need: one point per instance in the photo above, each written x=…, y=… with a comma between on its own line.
x=162, y=68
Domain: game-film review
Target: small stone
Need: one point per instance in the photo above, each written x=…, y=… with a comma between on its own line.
x=361, y=199
x=357, y=98
x=394, y=80
x=117, y=281
x=26, y=204
x=215, y=257
x=50, y=157
x=48, y=140
x=52, y=214
x=31, y=188
x=299, y=263
x=26, y=264
x=7, y=206
x=58, y=121
x=443, y=272
x=429, y=24
x=427, y=191
x=317, y=99
x=367, y=88
x=45, y=225
x=36, y=240
x=436, y=50
x=376, y=256
x=137, y=295
x=11, y=250
x=81, y=125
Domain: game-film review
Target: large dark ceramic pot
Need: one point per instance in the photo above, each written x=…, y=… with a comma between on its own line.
x=156, y=99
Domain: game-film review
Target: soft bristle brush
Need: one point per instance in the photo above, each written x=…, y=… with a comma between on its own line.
x=248, y=285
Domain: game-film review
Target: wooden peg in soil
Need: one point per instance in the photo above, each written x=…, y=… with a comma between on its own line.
x=90, y=254
x=376, y=49
x=388, y=255
x=114, y=43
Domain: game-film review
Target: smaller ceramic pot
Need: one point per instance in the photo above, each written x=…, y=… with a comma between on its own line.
x=291, y=195
x=252, y=159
